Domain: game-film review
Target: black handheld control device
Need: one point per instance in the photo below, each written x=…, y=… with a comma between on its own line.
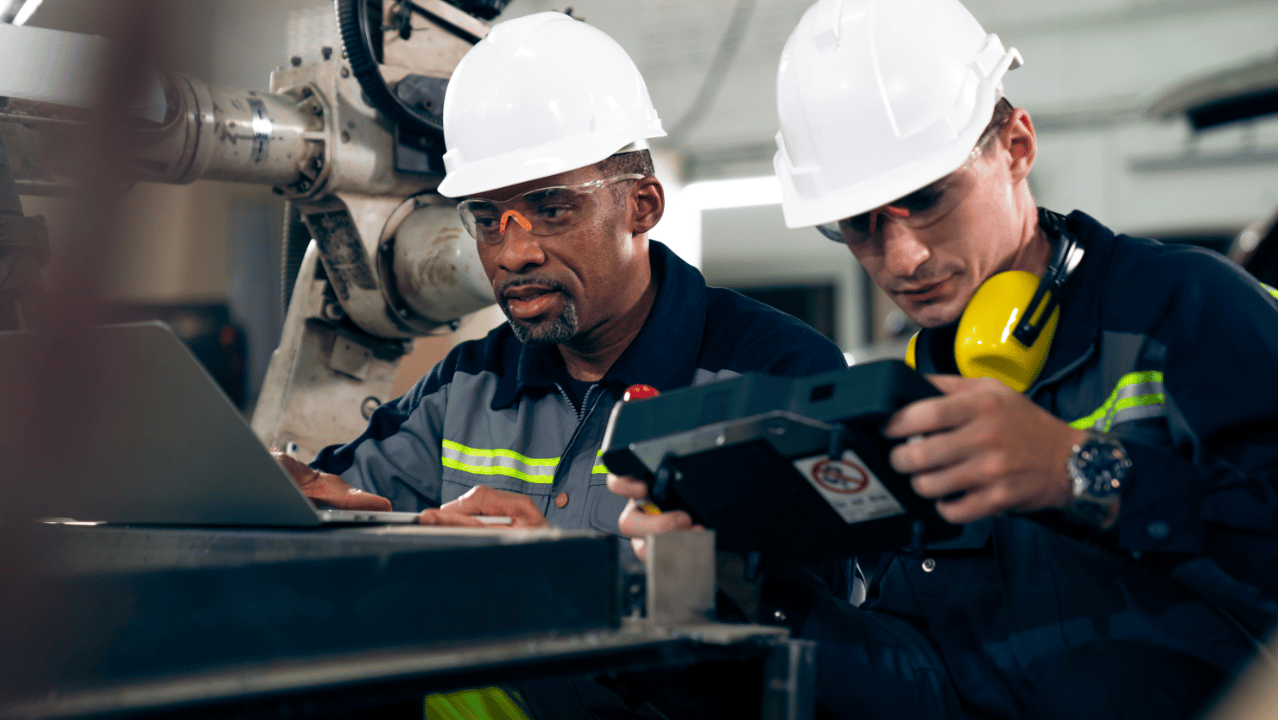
x=793, y=469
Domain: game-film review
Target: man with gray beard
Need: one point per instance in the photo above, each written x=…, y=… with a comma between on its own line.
x=556, y=186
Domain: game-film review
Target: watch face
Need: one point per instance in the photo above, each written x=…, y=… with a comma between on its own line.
x=1103, y=465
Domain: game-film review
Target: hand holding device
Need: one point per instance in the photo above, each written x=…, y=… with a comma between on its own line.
x=641, y=516
x=988, y=442
x=636, y=523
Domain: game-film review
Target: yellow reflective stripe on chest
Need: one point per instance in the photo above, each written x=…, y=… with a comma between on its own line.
x=1137, y=395
x=490, y=703
x=484, y=461
x=599, y=467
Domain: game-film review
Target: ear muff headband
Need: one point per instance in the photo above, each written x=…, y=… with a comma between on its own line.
x=1047, y=296
x=1007, y=327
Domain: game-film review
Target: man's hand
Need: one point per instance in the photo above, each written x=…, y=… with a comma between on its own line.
x=483, y=500
x=635, y=523
x=987, y=441
x=328, y=488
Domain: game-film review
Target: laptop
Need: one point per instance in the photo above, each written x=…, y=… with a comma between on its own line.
x=126, y=426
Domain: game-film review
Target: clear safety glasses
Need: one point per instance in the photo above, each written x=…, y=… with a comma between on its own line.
x=916, y=210
x=545, y=211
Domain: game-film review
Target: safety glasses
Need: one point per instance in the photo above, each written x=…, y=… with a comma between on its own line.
x=916, y=210
x=544, y=211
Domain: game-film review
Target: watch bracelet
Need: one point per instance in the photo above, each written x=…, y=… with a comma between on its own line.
x=1082, y=509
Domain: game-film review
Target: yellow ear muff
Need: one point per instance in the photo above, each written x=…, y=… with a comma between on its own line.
x=983, y=344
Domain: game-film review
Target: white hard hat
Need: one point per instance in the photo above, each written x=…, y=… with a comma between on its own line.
x=879, y=98
x=541, y=95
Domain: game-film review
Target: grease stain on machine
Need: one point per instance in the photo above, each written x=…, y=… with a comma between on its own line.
x=335, y=233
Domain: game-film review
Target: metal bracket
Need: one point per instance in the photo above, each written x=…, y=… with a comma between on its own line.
x=789, y=673
x=681, y=571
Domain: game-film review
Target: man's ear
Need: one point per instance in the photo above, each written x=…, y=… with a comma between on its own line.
x=648, y=200
x=1018, y=138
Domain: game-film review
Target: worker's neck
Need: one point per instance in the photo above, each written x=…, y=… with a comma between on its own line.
x=1035, y=250
x=589, y=355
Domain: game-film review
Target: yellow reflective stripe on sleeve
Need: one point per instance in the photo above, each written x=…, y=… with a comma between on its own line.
x=599, y=467
x=1271, y=290
x=1153, y=408
x=481, y=461
x=1134, y=390
x=1139, y=400
x=1088, y=421
x=490, y=703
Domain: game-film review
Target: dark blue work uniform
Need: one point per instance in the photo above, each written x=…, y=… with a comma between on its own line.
x=500, y=413
x=1174, y=351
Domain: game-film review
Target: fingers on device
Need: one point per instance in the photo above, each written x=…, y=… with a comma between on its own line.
x=788, y=471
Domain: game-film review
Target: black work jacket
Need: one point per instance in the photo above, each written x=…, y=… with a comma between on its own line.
x=1174, y=350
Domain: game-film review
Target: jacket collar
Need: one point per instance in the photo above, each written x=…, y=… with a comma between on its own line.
x=664, y=353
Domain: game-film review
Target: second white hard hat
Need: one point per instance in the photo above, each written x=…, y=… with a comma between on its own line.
x=541, y=95
x=878, y=98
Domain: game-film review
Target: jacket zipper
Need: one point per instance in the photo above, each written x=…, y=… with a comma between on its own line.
x=589, y=391
x=582, y=415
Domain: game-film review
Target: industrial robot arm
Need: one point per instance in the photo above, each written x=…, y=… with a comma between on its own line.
x=353, y=144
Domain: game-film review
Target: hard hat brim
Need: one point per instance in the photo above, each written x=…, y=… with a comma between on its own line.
x=874, y=192
x=538, y=162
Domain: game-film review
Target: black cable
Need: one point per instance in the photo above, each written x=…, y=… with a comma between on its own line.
x=357, y=42
x=715, y=75
x=296, y=239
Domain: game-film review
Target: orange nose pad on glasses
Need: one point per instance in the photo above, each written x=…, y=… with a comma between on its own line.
x=520, y=219
x=889, y=209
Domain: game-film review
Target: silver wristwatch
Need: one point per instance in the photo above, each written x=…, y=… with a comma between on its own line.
x=1098, y=467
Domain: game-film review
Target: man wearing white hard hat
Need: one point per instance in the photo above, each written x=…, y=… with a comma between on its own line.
x=556, y=186
x=546, y=124
x=1109, y=426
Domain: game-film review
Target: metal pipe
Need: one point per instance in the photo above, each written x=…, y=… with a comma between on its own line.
x=224, y=133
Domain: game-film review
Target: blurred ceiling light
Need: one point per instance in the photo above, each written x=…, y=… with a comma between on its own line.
x=735, y=193
x=24, y=14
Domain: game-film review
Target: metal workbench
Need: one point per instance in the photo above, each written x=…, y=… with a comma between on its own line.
x=172, y=622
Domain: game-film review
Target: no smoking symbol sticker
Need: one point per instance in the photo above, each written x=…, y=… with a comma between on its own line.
x=840, y=476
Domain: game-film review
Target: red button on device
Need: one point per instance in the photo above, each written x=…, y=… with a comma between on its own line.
x=640, y=392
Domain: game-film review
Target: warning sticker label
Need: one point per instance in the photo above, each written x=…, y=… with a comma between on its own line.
x=849, y=486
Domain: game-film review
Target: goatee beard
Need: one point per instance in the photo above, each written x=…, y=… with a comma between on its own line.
x=554, y=331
